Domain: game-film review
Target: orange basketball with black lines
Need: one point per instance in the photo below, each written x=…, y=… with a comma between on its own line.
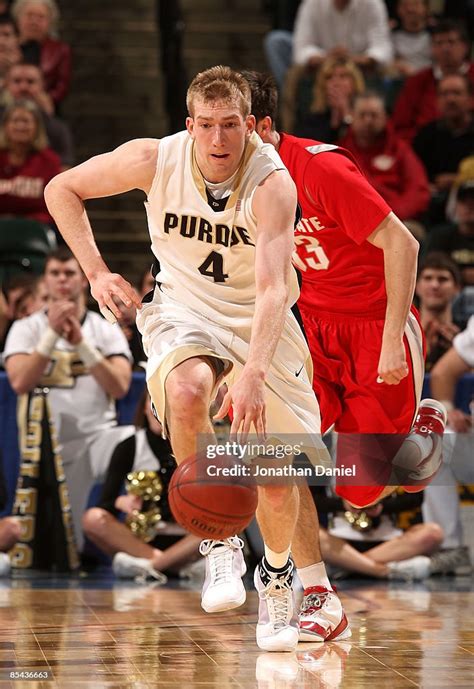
x=210, y=502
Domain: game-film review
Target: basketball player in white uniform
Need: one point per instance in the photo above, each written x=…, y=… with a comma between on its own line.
x=221, y=209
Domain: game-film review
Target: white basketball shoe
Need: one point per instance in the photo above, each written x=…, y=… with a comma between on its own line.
x=225, y=566
x=277, y=628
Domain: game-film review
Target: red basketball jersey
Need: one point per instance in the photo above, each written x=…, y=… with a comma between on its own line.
x=342, y=272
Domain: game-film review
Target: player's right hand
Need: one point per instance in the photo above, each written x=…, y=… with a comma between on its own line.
x=392, y=367
x=106, y=285
x=247, y=397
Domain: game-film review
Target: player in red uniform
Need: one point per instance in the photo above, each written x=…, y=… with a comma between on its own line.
x=358, y=266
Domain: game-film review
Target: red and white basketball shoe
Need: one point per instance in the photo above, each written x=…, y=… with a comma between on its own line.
x=322, y=617
x=326, y=664
x=421, y=455
x=431, y=418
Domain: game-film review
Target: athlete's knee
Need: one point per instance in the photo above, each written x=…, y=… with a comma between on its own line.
x=277, y=496
x=427, y=537
x=187, y=400
x=10, y=532
x=96, y=521
x=431, y=536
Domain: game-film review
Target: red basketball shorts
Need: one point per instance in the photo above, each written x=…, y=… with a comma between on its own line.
x=345, y=354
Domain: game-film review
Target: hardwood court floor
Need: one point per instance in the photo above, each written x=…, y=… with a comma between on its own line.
x=94, y=635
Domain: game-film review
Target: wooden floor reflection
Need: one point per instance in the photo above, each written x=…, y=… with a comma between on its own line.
x=139, y=637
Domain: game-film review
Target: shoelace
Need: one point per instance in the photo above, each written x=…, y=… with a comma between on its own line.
x=278, y=596
x=220, y=557
x=314, y=602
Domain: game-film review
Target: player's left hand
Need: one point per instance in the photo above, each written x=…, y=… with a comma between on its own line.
x=393, y=365
x=247, y=397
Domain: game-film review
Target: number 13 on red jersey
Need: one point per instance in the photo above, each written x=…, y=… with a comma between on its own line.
x=311, y=255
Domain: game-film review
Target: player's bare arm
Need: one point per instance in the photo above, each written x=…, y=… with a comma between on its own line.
x=274, y=206
x=130, y=166
x=444, y=377
x=400, y=250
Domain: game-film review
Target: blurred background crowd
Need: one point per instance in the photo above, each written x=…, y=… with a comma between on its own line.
x=392, y=81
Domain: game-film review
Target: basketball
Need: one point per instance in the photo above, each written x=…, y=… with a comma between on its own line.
x=210, y=506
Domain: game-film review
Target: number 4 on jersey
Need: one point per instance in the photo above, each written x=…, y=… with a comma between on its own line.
x=213, y=267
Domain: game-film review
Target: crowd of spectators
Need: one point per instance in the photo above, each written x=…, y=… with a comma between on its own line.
x=420, y=67
x=392, y=82
x=35, y=74
x=388, y=81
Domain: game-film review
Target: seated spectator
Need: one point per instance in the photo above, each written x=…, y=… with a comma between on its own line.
x=442, y=144
x=442, y=500
x=457, y=240
x=462, y=10
x=411, y=39
x=26, y=163
x=389, y=163
x=10, y=52
x=337, y=83
x=278, y=43
x=36, y=21
x=438, y=283
x=20, y=296
x=342, y=28
x=465, y=173
x=369, y=542
x=447, y=372
x=172, y=546
x=25, y=81
x=417, y=102
x=84, y=361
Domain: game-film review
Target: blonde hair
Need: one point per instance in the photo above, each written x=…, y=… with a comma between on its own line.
x=319, y=102
x=19, y=5
x=40, y=141
x=220, y=83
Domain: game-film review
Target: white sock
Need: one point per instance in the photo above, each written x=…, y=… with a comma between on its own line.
x=314, y=575
x=277, y=560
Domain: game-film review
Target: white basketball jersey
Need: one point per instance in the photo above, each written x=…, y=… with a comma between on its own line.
x=207, y=256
